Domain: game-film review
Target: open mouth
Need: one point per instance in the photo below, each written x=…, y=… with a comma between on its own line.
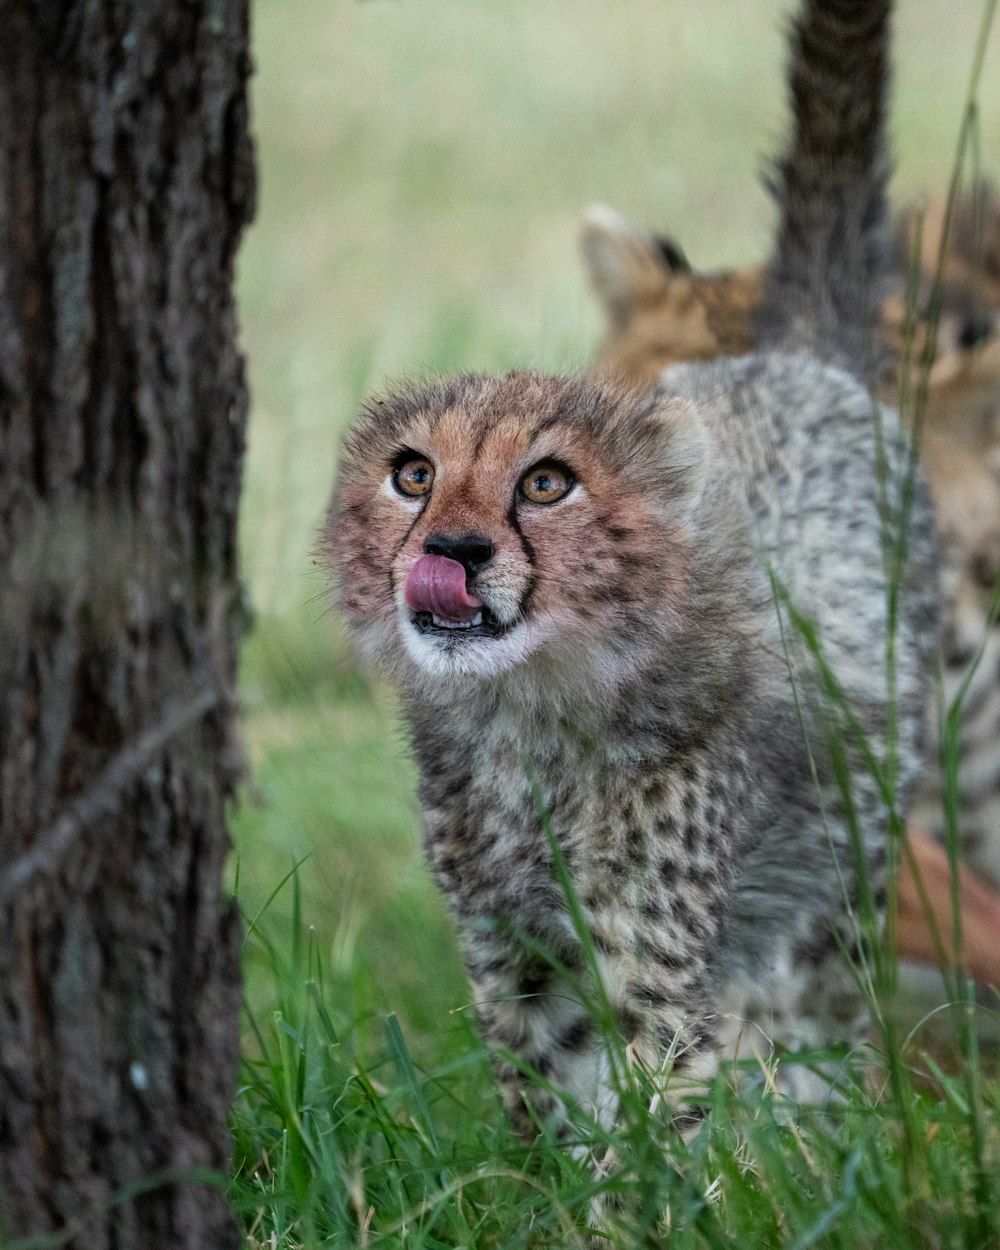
x=438, y=595
x=483, y=625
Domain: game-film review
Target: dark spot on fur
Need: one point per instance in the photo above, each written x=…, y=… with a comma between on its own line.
x=542, y=1064
x=487, y=966
x=667, y=1037
x=447, y=865
x=650, y=995
x=977, y=328
x=690, y=1116
x=665, y=958
x=575, y=1036
x=692, y=836
x=692, y=920
x=628, y=1023
x=814, y=950
x=653, y=793
x=534, y=979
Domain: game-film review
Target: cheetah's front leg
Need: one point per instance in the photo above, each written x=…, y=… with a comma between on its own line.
x=567, y=1037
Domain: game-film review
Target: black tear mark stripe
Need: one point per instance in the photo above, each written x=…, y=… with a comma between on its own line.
x=529, y=555
x=406, y=538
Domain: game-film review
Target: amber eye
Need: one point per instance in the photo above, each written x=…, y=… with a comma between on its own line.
x=413, y=477
x=547, y=482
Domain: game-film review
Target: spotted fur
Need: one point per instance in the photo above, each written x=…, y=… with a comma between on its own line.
x=660, y=313
x=634, y=707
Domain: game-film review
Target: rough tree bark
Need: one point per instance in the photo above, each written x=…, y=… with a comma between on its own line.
x=125, y=179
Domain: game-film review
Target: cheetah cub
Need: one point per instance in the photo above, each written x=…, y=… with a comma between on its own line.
x=574, y=588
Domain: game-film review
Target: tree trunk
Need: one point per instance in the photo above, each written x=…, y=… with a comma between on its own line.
x=125, y=179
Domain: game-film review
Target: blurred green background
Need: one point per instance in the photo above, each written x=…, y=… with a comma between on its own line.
x=423, y=164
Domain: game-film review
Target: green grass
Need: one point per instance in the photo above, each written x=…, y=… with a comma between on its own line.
x=423, y=164
x=342, y=1140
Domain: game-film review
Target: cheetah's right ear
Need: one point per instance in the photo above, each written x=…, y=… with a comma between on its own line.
x=628, y=265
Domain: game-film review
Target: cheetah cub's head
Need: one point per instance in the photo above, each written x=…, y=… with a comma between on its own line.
x=481, y=524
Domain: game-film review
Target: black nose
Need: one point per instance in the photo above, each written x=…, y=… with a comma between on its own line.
x=471, y=550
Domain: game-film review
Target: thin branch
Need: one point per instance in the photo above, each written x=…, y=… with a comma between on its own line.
x=103, y=797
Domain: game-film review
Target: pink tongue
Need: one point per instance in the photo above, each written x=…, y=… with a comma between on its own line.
x=437, y=584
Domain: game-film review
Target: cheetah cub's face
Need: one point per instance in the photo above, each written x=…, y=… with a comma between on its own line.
x=483, y=524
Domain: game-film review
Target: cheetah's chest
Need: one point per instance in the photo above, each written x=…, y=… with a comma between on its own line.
x=622, y=828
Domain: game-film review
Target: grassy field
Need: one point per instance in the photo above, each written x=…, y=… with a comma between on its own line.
x=423, y=165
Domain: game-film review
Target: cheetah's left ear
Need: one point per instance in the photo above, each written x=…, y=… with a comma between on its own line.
x=683, y=455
